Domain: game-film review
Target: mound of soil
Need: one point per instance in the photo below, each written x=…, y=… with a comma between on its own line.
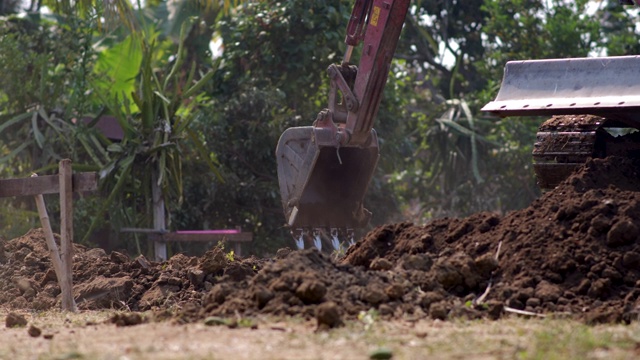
x=575, y=251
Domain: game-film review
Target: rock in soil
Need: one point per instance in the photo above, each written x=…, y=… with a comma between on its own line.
x=328, y=316
x=15, y=320
x=34, y=331
x=127, y=319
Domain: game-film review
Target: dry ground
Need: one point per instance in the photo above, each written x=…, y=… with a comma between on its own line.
x=87, y=335
x=575, y=252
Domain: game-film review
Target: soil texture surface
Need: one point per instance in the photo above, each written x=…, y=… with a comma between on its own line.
x=574, y=252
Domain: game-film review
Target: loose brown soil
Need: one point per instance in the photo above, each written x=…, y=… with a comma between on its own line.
x=574, y=252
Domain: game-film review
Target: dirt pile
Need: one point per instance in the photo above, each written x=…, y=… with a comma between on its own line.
x=575, y=251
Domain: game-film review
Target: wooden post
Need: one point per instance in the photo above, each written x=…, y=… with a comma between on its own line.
x=237, y=249
x=48, y=235
x=66, y=231
x=64, y=183
x=159, y=221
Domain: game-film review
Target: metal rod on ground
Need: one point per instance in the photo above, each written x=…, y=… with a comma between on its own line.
x=66, y=228
x=53, y=249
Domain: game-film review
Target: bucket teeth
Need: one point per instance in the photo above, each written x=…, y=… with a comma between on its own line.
x=351, y=237
x=316, y=235
x=335, y=241
x=298, y=237
x=317, y=240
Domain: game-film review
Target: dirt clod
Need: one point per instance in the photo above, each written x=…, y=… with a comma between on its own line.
x=15, y=320
x=328, y=315
x=127, y=319
x=311, y=291
x=34, y=331
x=381, y=264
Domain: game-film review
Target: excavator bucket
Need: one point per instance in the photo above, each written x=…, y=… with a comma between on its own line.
x=324, y=170
x=323, y=186
x=605, y=86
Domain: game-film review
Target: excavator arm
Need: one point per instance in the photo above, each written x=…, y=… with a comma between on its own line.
x=383, y=25
x=324, y=169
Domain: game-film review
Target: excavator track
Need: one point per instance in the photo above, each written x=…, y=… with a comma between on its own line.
x=564, y=143
x=603, y=90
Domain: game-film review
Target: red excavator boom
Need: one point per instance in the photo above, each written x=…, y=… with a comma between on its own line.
x=324, y=169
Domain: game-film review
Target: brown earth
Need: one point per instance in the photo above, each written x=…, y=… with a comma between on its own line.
x=574, y=252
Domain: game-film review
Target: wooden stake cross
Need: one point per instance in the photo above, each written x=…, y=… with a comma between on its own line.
x=64, y=183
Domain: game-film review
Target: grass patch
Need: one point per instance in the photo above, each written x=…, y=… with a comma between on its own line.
x=86, y=335
x=569, y=340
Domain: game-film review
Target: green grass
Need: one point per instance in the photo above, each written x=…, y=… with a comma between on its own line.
x=567, y=340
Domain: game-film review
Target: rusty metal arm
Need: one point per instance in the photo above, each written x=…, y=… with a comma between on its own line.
x=381, y=33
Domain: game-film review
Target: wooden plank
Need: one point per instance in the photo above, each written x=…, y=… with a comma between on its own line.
x=47, y=184
x=142, y=230
x=85, y=181
x=204, y=237
x=66, y=233
x=216, y=232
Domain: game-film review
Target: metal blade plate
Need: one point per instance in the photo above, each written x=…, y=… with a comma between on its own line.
x=600, y=86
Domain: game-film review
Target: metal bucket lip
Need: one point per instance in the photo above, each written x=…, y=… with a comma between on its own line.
x=566, y=105
x=298, y=160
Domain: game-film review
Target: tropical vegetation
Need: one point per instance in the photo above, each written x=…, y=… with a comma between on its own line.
x=203, y=89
